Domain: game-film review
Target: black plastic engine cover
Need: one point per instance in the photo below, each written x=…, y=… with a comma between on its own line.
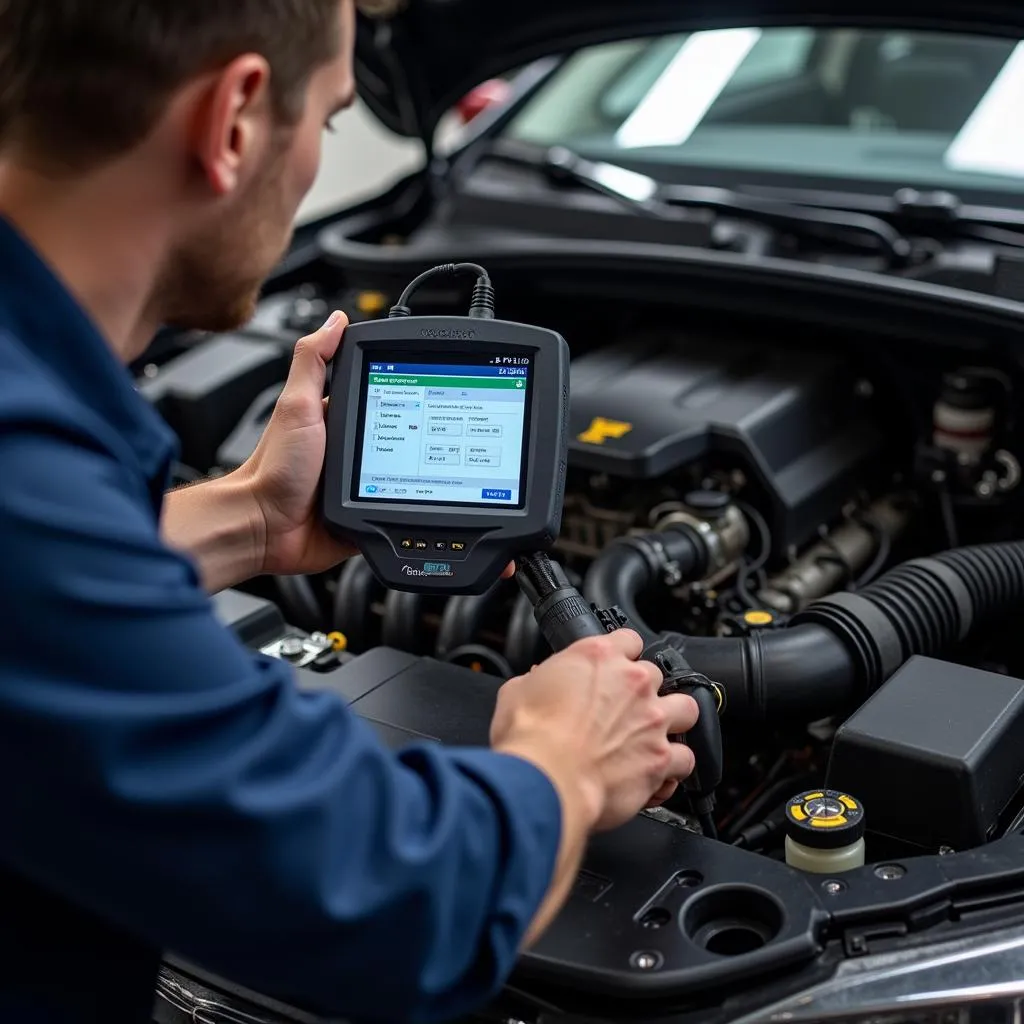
x=793, y=421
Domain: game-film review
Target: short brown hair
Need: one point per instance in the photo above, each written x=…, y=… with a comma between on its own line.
x=84, y=80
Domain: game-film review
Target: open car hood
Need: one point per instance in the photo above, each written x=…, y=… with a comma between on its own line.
x=414, y=68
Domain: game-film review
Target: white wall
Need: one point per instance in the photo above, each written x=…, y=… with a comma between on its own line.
x=360, y=158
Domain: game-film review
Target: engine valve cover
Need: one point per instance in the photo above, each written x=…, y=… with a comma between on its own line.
x=793, y=421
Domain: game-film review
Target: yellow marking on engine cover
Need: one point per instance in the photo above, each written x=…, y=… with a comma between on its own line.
x=828, y=822
x=602, y=430
x=849, y=802
x=798, y=812
x=812, y=796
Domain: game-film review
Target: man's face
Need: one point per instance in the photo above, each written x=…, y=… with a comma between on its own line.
x=213, y=280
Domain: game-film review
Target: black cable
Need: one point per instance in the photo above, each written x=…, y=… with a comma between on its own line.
x=482, y=306
x=762, y=806
x=707, y=824
x=759, y=836
x=948, y=517
x=882, y=555
x=755, y=567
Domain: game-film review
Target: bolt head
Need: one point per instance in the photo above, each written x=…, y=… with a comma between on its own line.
x=646, y=960
x=292, y=647
x=890, y=872
x=833, y=886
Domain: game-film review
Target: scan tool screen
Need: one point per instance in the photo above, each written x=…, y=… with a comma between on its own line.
x=446, y=432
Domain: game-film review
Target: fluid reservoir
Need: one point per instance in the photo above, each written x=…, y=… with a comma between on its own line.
x=964, y=417
x=824, y=832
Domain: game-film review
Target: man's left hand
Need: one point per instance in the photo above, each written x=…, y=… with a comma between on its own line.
x=284, y=472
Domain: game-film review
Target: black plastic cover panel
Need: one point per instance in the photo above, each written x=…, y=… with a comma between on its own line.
x=936, y=755
x=205, y=392
x=792, y=420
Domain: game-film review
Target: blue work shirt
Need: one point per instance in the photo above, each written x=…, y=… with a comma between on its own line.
x=165, y=789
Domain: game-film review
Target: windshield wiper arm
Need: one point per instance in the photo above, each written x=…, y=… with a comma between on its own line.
x=792, y=217
x=648, y=197
x=940, y=215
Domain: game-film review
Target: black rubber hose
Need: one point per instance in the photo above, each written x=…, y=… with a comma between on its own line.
x=464, y=618
x=922, y=607
x=839, y=650
x=403, y=626
x=353, y=601
x=299, y=602
x=632, y=565
x=804, y=671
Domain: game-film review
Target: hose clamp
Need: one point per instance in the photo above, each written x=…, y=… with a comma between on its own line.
x=671, y=573
x=656, y=557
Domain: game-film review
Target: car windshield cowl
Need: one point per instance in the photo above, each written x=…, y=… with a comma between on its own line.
x=893, y=226
x=935, y=111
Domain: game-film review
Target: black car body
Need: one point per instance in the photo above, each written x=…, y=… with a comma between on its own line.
x=809, y=299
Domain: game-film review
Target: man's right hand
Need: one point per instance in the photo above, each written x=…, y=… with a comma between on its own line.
x=591, y=718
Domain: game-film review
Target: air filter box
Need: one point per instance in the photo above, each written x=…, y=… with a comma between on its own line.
x=935, y=755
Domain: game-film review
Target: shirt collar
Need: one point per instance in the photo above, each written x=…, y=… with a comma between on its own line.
x=36, y=307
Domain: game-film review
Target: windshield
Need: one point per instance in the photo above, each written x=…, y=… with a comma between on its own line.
x=930, y=110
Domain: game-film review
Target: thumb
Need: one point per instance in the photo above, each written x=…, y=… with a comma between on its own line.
x=312, y=353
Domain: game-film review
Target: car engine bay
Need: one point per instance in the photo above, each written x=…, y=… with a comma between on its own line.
x=821, y=520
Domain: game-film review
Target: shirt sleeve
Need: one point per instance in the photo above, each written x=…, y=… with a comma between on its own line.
x=161, y=775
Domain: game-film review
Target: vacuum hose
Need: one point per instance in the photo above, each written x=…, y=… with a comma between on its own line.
x=840, y=649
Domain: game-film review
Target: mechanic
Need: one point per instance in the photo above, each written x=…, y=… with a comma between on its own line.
x=163, y=788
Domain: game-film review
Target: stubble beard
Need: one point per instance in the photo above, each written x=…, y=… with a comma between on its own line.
x=212, y=282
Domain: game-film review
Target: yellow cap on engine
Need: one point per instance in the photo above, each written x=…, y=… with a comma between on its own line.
x=371, y=303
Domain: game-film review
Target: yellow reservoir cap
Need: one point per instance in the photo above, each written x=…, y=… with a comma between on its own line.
x=339, y=641
x=825, y=819
x=758, y=618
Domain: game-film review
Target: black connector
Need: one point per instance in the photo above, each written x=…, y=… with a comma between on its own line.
x=705, y=738
x=564, y=617
x=561, y=613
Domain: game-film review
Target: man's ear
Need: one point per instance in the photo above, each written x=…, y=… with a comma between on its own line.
x=232, y=125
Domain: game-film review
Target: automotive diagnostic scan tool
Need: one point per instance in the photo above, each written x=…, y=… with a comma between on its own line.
x=447, y=443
